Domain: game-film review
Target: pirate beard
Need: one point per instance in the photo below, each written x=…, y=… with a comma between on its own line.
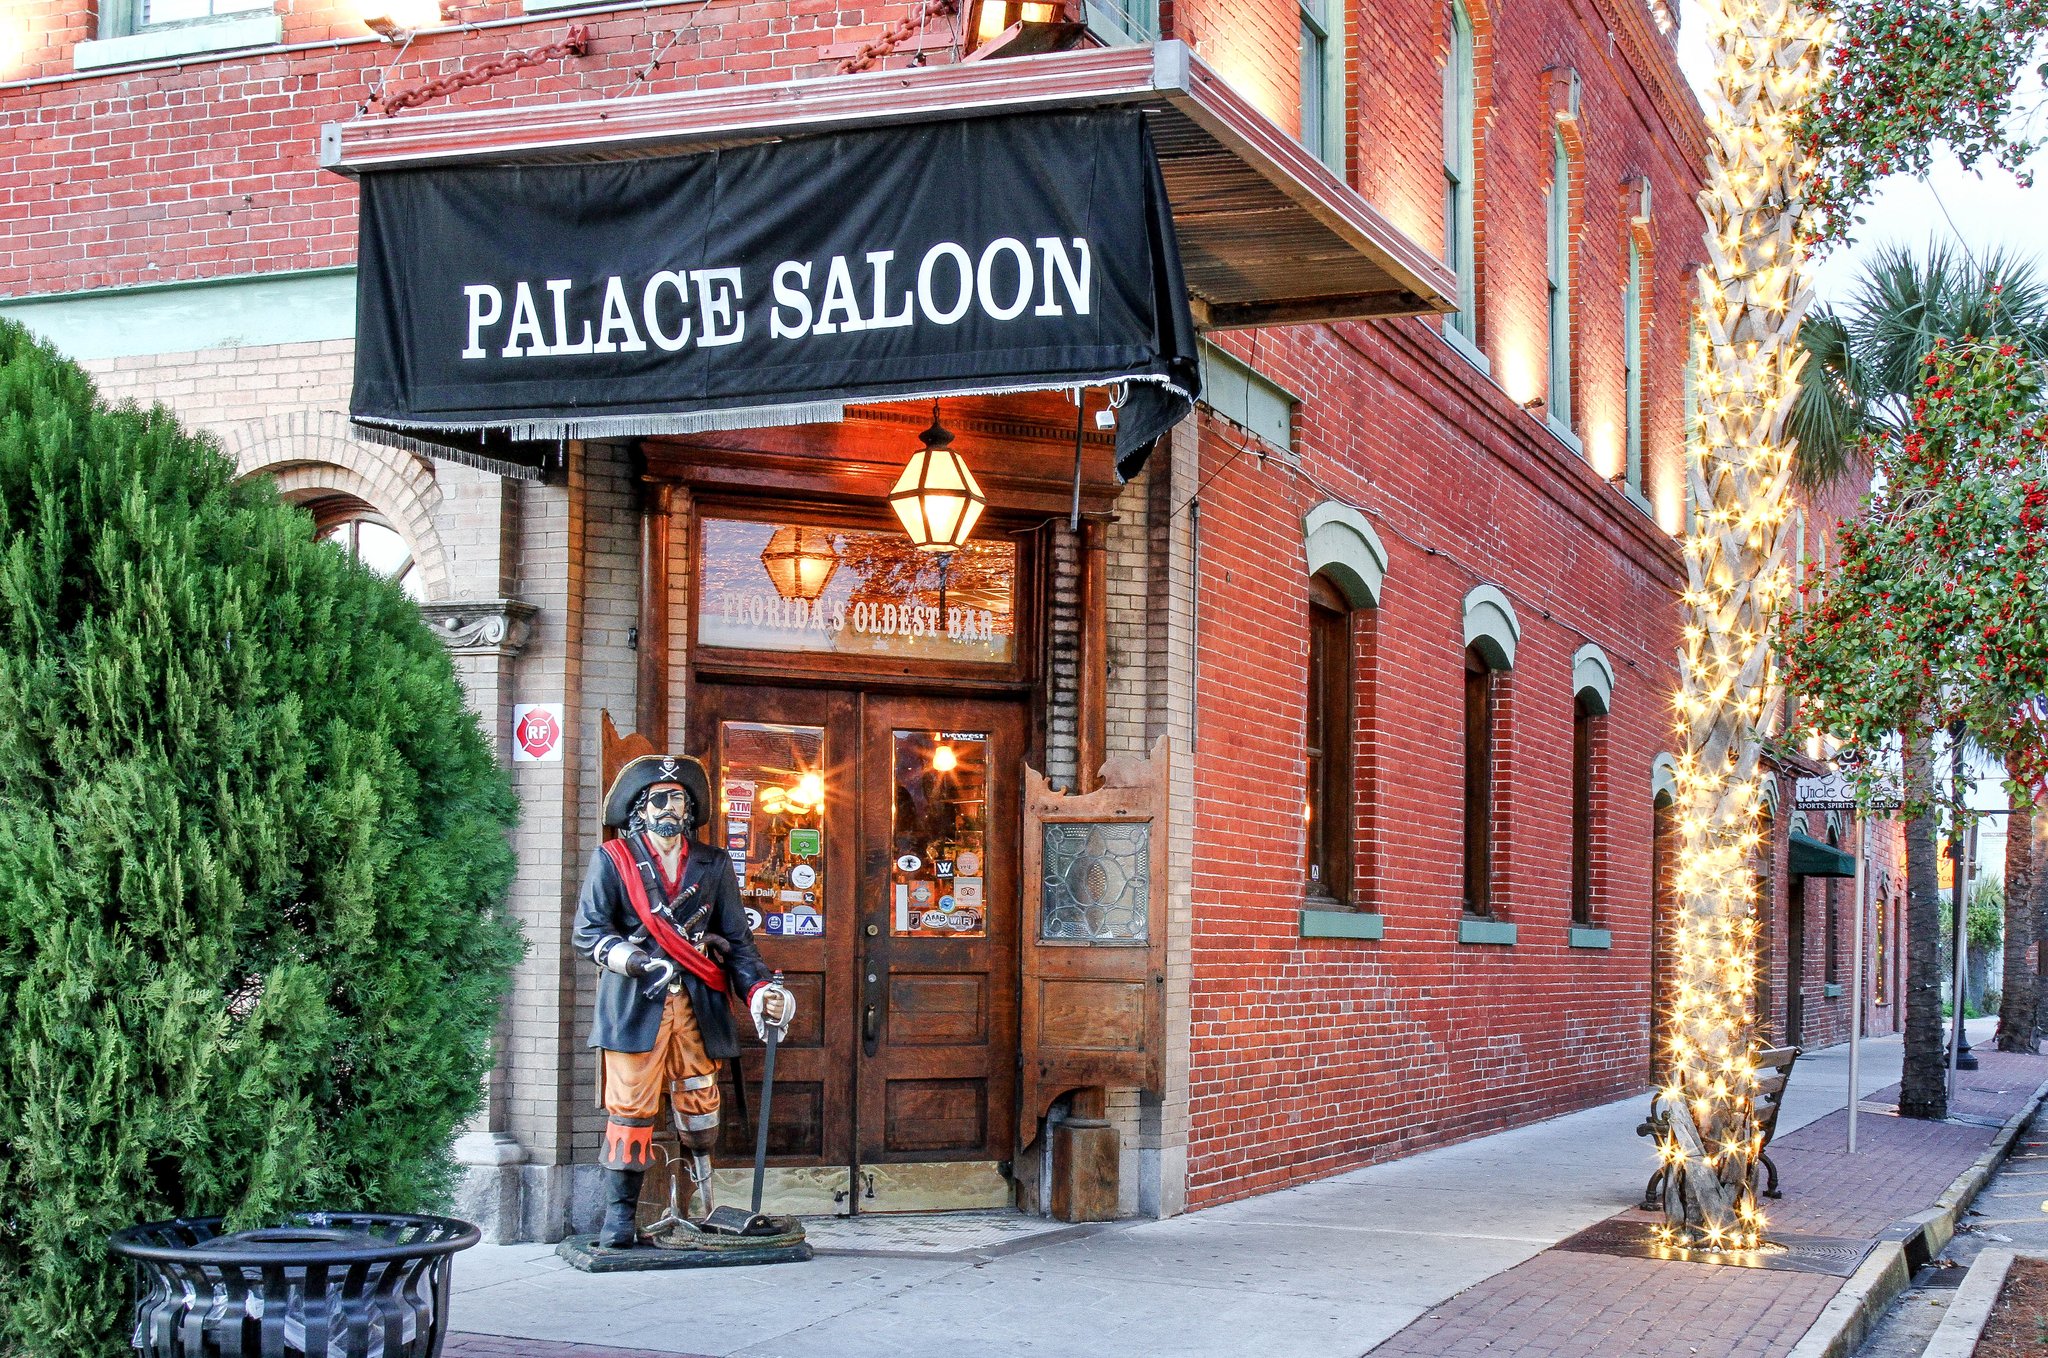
x=677, y=820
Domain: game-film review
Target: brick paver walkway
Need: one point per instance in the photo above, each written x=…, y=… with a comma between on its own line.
x=1564, y=1304
x=1569, y=1305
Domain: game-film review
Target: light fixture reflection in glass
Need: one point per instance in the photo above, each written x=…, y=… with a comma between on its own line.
x=944, y=760
x=937, y=497
x=809, y=791
x=800, y=561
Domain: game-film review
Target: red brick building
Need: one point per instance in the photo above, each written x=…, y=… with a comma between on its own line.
x=1398, y=597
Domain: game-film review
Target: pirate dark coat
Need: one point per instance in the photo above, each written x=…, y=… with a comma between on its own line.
x=627, y=1021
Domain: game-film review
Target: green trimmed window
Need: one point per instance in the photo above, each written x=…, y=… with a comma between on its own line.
x=119, y=18
x=1460, y=158
x=1560, y=282
x=1632, y=365
x=1322, y=80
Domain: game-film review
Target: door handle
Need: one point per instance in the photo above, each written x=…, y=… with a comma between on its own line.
x=871, y=1025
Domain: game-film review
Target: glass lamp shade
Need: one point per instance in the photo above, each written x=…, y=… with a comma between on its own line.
x=800, y=561
x=991, y=17
x=937, y=497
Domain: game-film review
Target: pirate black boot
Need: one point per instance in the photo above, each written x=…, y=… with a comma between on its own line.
x=620, y=1232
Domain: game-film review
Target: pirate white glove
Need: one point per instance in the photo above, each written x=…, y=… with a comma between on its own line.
x=772, y=1007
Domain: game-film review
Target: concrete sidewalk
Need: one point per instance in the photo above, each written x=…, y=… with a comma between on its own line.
x=1444, y=1252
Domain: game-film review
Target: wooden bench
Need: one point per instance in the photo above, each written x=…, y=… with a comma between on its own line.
x=1774, y=1071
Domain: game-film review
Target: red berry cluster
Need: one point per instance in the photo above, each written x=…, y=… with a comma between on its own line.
x=1905, y=77
x=1937, y=608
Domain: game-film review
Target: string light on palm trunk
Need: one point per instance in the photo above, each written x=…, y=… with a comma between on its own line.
x=1752, y=293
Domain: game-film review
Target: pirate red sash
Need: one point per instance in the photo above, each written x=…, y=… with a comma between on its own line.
x=659, y=929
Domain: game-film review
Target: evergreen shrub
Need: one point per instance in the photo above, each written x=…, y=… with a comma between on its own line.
x=253, y=859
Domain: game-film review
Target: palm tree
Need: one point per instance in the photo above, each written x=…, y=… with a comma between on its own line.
x=2018, y=1010
x=1864, y=367
x=1863, y=371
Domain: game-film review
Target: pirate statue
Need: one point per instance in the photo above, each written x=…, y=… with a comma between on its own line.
x=660, y=915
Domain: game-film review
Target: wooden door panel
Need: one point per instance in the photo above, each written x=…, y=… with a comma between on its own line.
x=937, y=1010
x=1094, y=1016
x=926, y=1115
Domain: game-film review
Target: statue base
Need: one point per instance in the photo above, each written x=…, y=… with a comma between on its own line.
x=777, y=1240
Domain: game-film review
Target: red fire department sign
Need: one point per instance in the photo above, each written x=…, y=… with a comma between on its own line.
x=536, y=732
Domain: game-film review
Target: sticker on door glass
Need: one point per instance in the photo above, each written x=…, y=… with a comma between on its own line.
x=773, y=784
x=939, y=820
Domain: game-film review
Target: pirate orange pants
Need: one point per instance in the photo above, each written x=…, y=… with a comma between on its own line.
x=630, y=1086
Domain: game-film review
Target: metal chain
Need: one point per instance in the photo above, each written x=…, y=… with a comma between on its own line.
x=575, y=43
x=899, y=33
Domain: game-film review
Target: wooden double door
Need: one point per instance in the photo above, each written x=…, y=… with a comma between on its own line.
x=875, y=837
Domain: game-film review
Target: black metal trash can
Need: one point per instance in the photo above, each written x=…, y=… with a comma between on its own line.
x=323, y=1285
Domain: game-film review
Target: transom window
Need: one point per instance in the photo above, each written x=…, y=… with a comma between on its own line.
x=365, y=535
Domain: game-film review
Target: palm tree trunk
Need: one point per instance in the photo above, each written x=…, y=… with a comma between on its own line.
x=2017, y=998
x=1754, y=292
x=1923, y=1090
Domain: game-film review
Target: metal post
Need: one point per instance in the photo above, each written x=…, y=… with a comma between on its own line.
x=1960, y=953
x=1862, y=833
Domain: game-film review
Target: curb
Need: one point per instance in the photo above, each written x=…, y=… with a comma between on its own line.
x=1848, y=1318
x=1957, y=1335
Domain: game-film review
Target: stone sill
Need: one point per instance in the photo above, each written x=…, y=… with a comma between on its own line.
x=1583, y=937
x=1466, y=349
x=1500, y=932
x=1320, y=923
x=157, y=44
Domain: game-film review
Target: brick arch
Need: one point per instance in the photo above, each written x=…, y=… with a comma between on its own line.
x=312, y=452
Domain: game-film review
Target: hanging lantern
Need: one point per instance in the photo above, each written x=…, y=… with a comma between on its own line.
x=800, y=561
x=991, y=17
x=937, y=497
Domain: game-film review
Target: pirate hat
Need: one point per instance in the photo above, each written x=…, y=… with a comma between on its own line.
x=649, y=769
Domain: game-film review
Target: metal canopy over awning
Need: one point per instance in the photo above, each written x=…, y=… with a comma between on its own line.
x=1811, y=858
x=1268, y=235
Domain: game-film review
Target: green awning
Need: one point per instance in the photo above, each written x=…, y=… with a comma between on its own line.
x=1811, y=858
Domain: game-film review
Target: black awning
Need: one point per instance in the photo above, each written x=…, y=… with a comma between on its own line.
x=1811, y=858
x=772, y=283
